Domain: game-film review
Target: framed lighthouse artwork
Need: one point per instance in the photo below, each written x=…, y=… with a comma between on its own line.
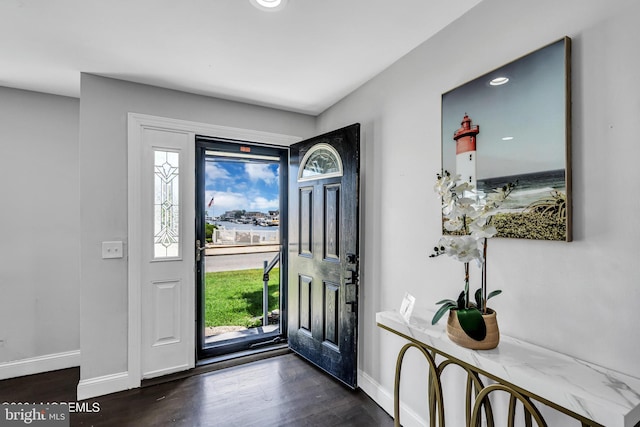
x=513, y=125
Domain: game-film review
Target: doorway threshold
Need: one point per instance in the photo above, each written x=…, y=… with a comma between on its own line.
x=221, y=362
x=246, y=356
x=240, y=334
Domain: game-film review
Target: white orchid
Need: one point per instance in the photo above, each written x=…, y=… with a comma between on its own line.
x=462, y=187
x=482, y=231
x=454, y=224
x=462, y=248
x=465, y=206
x=445, y=183
x=463, y=211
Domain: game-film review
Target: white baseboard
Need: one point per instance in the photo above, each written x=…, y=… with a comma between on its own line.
x=40, y=364
x=100, y=386
x=384, y=398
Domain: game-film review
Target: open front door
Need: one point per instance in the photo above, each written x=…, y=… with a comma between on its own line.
x=323, y=251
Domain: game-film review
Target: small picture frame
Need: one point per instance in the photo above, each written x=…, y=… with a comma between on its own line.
x=406, y=308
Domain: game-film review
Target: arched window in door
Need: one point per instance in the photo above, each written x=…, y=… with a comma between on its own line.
x=321, y=161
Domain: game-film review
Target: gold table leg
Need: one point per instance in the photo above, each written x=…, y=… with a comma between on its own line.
x=529, y=409
x=435, y=387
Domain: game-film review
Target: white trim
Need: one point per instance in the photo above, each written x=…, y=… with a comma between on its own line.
x=384, y=398
x=134, y=155
x=39, y=364
x=99, y=386
x=135, y=124
x=215, y=131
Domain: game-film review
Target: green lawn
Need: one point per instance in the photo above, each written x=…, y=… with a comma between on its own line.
x=234, y=298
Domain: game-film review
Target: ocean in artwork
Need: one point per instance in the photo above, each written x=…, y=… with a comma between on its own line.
x=531, y=187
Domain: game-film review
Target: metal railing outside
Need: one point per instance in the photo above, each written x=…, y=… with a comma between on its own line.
x=268, y=266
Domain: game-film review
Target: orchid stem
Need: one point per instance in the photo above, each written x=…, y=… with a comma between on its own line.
x=466, y=284
x=484, y=277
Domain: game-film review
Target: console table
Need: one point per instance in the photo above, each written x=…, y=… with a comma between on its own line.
x=594, y=395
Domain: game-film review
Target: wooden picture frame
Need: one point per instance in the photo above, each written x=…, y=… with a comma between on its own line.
x=514, y=124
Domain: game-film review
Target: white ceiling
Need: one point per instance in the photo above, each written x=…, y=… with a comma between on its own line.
x=303, y=58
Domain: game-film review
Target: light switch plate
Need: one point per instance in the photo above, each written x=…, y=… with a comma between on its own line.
x=112, y=250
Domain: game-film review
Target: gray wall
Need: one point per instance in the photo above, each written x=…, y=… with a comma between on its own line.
x=103, y=195
x=39, y=225
x=578, y=298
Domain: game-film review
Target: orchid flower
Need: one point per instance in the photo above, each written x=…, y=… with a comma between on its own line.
x=461, y=248
x=482, y=231
x=454, y=224
x=463, y=210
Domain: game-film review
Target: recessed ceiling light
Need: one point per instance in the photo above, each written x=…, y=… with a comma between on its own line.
x=499, y=81
x=269, y=5
x=507, y=138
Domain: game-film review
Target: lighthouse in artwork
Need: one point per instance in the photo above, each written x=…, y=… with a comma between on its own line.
x=465, y=138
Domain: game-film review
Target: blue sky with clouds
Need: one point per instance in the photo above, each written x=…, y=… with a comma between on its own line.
x=237, y=185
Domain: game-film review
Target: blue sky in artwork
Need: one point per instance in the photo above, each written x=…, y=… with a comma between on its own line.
x=529, y=109
x=241, y=186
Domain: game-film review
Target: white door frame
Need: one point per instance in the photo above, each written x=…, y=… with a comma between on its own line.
x=137, y=123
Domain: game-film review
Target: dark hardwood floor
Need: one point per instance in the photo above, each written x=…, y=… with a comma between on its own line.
x=278, y=391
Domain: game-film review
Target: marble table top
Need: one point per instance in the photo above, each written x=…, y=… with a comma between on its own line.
x=599, y=394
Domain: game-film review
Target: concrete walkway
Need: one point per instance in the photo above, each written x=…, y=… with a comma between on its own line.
x=238, y=257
